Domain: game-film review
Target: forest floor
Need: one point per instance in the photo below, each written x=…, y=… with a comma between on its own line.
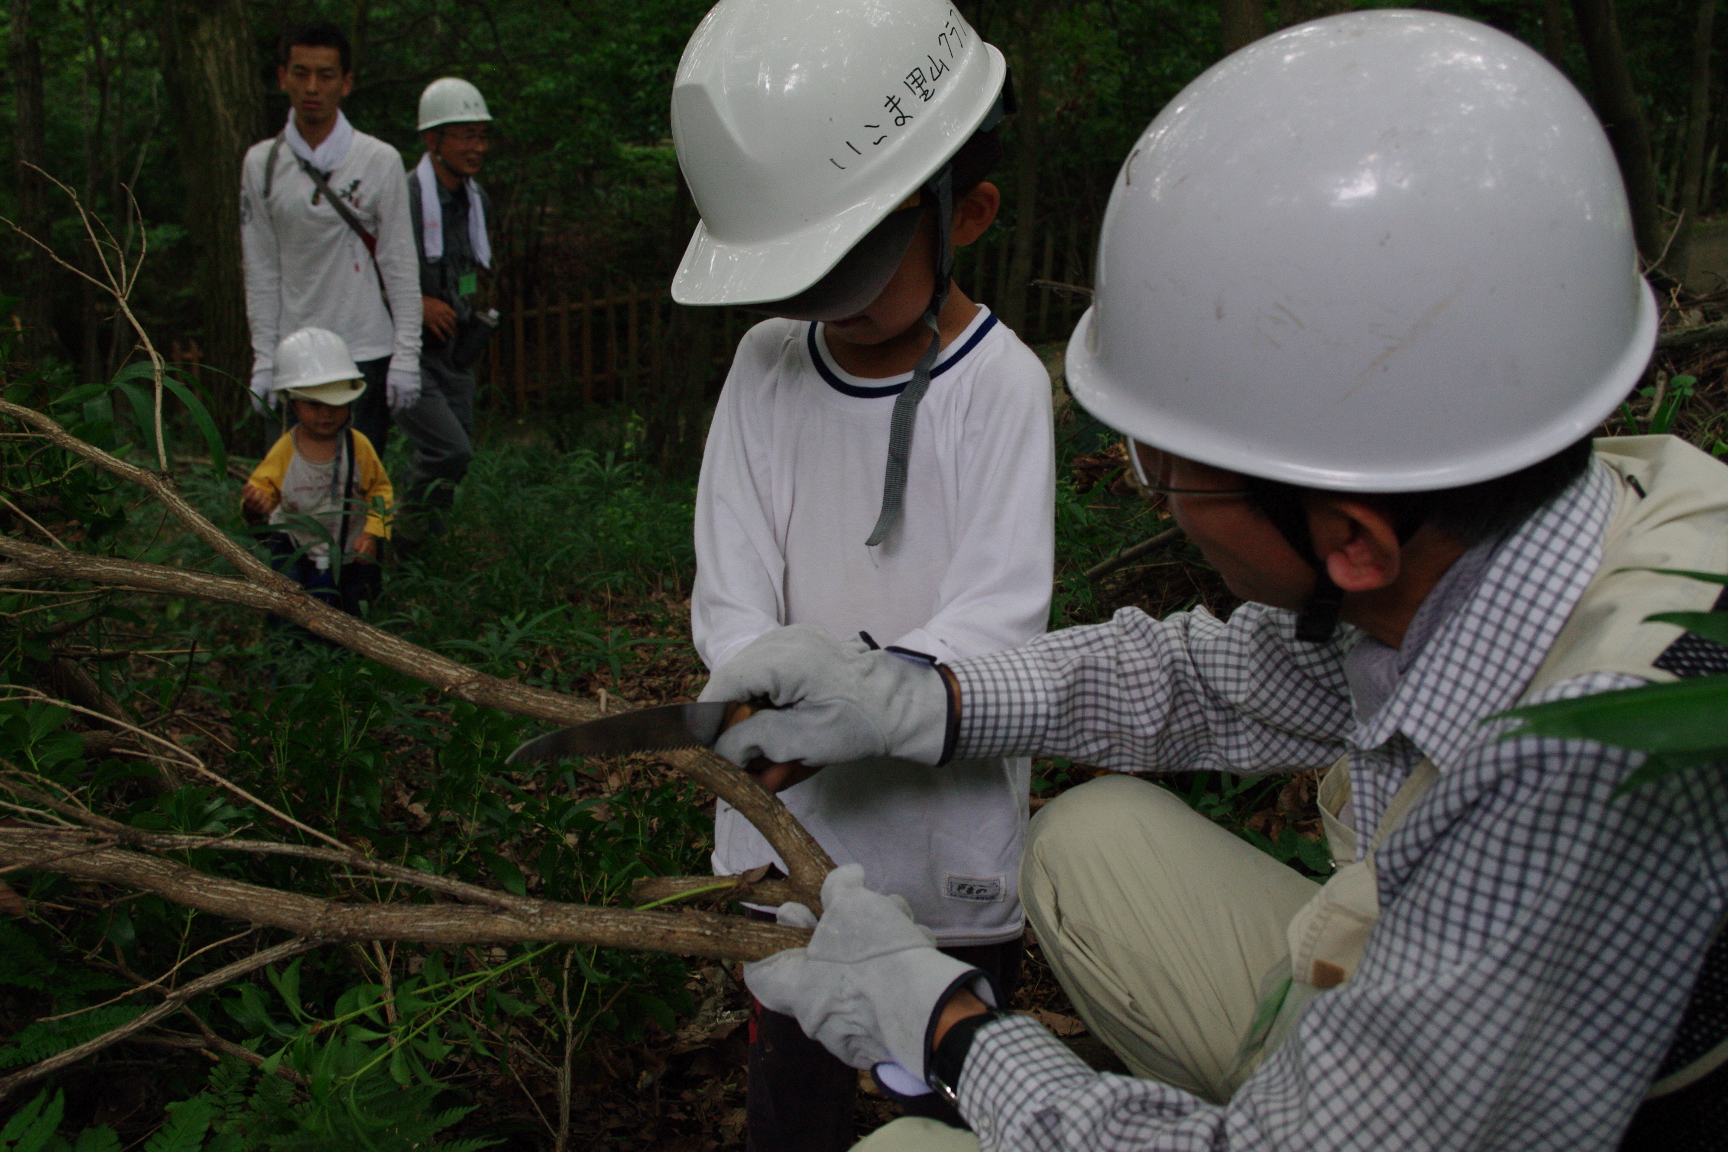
x=568, y=566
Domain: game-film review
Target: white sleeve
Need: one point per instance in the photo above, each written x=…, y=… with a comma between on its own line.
x=996, y=592
x=740, y=566
x=399, y=263
x=262, y=260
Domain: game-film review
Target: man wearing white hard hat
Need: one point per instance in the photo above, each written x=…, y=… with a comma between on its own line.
x=449, y=210
x=321, y=484
x=325, y=233
x=881, y=459
x=1365, y=288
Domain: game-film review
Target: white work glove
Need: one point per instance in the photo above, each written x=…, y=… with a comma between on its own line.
x=402, y=388
x=870, y=980
x=838, y=701
x=263, y=389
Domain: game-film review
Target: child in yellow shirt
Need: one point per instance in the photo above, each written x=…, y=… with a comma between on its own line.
x=322, y=482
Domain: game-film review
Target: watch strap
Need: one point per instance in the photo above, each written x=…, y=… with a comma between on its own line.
x=950, y=1055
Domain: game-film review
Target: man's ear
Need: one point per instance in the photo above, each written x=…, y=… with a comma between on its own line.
x=975, y=212
x=282, y=77
x=1357, y=542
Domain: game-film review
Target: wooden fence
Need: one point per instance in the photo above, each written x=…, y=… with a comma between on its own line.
x=564, y=351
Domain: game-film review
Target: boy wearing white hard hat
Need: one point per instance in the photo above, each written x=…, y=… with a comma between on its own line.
x=880, y=463
x=1364, y=290
x=449, y=210
x=322, y=482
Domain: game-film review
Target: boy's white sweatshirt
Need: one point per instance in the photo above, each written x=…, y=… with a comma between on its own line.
x=306, y=267
x=790, y=488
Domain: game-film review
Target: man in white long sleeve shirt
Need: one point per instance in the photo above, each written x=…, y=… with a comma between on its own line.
x=307, y=264
x=1363, y=289
x=880, y=464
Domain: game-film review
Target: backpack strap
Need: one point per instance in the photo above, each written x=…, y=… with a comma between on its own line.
x=270, y=162
x=347, y=490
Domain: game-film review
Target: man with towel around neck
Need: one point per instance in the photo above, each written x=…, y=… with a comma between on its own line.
x=449, y=213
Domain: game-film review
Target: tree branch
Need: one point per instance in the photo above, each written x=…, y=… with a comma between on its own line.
x=806, y=862
x=527, y=921
x=168, y=1006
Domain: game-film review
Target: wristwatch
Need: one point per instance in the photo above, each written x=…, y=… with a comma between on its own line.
x=950, y=1055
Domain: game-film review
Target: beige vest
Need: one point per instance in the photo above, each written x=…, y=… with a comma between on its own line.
x=1671, y=511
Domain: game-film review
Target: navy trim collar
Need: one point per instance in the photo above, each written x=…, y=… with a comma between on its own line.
x=846, y=389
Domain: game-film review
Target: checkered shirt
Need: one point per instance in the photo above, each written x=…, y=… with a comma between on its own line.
x=1538, y=938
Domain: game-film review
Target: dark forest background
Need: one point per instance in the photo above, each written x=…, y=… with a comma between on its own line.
x=162, y=97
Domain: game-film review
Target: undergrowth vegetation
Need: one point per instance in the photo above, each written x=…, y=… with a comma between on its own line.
x=567, y=566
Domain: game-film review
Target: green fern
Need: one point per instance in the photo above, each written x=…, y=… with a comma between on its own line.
x=188, y=1120
x=100, y=1139
x=47, y=1038
x=32, y=1126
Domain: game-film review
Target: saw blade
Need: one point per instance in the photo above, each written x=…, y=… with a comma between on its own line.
x=645, y=730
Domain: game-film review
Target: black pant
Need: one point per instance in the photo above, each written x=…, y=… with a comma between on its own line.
x=800, y=1097
x=357, y=581
x=372, y=410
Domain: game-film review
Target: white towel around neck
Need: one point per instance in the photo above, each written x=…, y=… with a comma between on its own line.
x=328, y=156
x=432, y=216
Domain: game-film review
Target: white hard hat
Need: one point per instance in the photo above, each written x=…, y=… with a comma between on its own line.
x=1387, y=251
x=451, y=101
x=801, y=125
x=314, y=364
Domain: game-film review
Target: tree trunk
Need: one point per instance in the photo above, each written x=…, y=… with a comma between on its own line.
x=218, y=112
x=1617, y=105
x=35, y=271
x=1697, y=138
x=1242, y=22
x=1554, y=33
x=1011, y=296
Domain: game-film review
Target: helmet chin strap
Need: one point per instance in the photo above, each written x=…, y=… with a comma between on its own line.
x=1317, y=619
x=941, y=190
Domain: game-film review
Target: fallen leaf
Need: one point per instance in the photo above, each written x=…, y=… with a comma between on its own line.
x=1058, y=1023
x=11, y=902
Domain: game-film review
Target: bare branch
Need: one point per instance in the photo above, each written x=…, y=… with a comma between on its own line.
x=168, y=1006
x=666, y=889
x=686, y=933
x=806, y=862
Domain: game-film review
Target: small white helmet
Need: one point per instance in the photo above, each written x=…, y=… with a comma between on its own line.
x=314, y=364
x=1387, y=251
x=451, y=101
x=801, y=125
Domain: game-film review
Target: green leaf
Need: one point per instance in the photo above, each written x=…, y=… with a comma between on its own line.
x=1707, y=577
x=1688, y=716
x=184, y=1132
x=1710, y=625
x=1315, y=855
x=32, y=1126
x=1659, y=766
x=101, y=1139
x=143, y=410
x=206, y=424
x=508, y=874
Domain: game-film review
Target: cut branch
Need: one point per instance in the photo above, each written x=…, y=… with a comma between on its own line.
x=1128, y=555
x=665, y=889
x=685, y=933
x=806, y=862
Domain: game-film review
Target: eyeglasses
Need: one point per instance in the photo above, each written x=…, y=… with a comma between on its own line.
x=1147, y=462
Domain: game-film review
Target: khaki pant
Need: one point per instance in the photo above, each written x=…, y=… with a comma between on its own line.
x=1158, y=923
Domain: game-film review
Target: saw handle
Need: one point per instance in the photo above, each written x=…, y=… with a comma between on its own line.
x=773, y=776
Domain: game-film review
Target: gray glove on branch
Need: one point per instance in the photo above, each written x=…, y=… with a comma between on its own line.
x=870, y=982
x=837, y=700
